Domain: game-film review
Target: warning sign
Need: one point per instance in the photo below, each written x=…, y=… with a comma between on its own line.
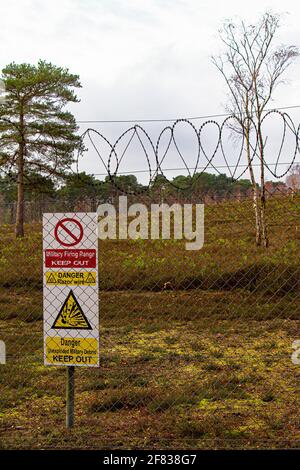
x=71, y=278
x=70, y=258
x=71, y=305
x=71, y=315
x=70, y=351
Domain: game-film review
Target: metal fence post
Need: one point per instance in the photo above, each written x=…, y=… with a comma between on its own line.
x=70, y=397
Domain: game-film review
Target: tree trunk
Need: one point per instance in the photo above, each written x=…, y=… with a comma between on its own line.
x=262, y=209
x=19, y=228
x=254, y=186
x=258, y=225
x=264, y=228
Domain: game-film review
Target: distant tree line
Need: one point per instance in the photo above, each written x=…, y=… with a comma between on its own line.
x=79, y=187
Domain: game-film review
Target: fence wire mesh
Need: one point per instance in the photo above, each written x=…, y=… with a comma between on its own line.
x=195, y=346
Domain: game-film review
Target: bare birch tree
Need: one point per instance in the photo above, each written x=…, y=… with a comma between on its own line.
x=252, y=68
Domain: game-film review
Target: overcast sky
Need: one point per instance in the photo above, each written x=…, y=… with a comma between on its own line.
x=139, y=59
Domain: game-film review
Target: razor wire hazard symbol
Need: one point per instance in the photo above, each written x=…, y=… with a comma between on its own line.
x=70, y=286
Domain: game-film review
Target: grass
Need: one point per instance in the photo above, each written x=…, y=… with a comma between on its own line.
x=166, y=399
x=228, y=260
x=205, y=363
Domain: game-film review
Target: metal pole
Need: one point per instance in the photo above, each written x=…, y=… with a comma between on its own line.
x=70, y=397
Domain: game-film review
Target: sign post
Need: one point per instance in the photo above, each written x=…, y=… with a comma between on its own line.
x=70, y=286
x=70, y=397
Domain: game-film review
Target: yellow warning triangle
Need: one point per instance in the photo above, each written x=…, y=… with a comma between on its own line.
x=71, y=315
x=90, y=278
x=51, y=279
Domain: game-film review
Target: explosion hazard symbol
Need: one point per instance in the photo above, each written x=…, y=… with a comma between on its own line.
x=71, y=315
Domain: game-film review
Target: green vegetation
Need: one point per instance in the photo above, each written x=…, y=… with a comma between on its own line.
x=75, y=187
x=142, y=398
x=204, y=362
x=38, y=136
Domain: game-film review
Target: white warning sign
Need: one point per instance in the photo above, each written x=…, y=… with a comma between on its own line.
x=70, y=274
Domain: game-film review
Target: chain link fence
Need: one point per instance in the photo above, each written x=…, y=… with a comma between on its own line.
x=195, y=346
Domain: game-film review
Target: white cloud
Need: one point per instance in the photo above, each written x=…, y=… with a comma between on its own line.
x=137, y=59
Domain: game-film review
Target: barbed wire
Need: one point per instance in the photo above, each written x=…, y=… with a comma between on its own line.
x=156, y=151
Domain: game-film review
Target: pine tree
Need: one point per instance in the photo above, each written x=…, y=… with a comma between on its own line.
x=37, y=134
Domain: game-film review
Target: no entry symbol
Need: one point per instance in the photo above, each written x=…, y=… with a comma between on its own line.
x=68, y=232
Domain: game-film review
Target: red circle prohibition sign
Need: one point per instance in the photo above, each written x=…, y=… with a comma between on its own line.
x=70, y=239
